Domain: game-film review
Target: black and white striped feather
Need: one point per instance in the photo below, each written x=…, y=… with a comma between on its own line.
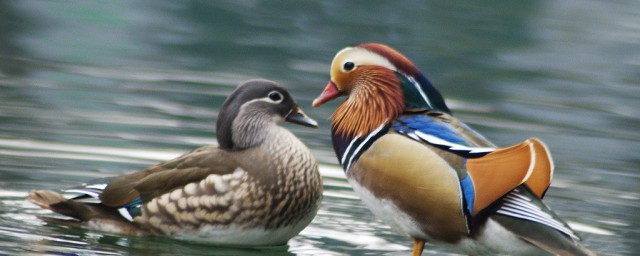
x=356, y=146
x=90, y=193
x=519, y=206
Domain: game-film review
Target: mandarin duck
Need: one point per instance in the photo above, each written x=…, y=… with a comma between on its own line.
x=428, y=175
x=259, y=186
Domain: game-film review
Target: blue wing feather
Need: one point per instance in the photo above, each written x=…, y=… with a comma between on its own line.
x=439, y=134
x=425, y=124
x=468, y=193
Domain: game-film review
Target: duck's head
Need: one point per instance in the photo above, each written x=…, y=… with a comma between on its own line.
x=380, y=83
x=252, y=108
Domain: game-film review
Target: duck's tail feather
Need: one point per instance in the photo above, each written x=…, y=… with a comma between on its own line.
x=57, y=203
x=97, y=215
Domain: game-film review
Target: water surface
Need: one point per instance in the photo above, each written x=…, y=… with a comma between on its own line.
x=97, y=89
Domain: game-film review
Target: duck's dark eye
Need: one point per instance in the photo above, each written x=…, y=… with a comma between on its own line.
x=348, y=66
x=275, y=96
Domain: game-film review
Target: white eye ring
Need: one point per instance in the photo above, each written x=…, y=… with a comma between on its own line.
x=275, y=96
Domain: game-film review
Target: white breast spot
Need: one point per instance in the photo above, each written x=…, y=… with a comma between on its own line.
x=220, y=185
x=182, y=203
x=238, y=173
x=164, y=199
x=152, y=206
x=176, y=194
x=194, y=201
x=206, y=201
x=191, y=189
x=171, y=208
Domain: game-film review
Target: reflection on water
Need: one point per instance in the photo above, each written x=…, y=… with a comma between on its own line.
x=96, y=89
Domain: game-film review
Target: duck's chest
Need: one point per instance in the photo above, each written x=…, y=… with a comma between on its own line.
x=410, y=187
x=284, y=173
x=293, y=183
x=287, y=168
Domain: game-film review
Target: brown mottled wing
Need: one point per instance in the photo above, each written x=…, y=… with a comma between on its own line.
x=121, y=190
x=164, y=177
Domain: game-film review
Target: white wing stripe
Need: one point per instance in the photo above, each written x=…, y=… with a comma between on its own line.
x=518, y=196
x=82, y=192
x=97, y=186
x=413, y=136
x=518, y=206
x=531, y=215
x=558, y=226
x=125, y=213
x=453, y=146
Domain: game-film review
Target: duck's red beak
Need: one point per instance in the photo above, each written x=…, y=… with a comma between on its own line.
x=330, y=92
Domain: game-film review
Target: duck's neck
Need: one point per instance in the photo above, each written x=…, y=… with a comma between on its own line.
x=250, y=130
x=369, y=105
x=365, y=116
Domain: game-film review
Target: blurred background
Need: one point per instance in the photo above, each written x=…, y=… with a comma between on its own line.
x=91, y=89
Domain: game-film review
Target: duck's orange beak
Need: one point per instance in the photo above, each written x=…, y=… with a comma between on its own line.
x=330, y=92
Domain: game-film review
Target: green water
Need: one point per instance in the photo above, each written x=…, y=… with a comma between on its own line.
x=99, y=88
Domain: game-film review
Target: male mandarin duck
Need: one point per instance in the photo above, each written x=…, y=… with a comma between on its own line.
x=430, y=176
x=259, y=186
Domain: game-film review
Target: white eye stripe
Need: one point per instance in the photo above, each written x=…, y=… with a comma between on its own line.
x=361, y=57
x=267, y=99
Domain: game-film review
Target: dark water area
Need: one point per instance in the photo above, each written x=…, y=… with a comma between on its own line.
x=92, y=89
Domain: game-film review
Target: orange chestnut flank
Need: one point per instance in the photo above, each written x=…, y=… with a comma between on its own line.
x=427, y=174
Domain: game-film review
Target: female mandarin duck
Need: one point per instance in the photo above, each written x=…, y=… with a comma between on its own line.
x=427, y=174
x=260, y=186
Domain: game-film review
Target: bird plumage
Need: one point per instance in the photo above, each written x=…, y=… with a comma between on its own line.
x=260, y=186
x=430, y=176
